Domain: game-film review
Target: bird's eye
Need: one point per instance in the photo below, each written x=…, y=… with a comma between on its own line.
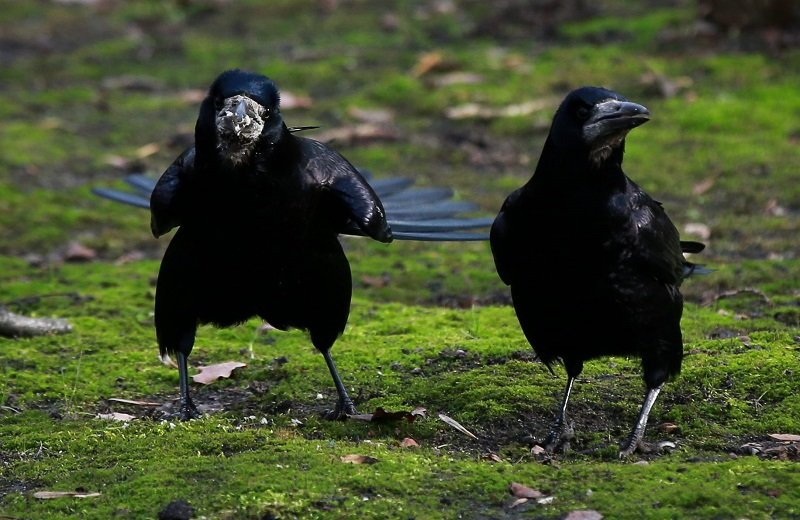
x=582, y=112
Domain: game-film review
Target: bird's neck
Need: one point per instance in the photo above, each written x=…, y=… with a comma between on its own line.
x=570, y=170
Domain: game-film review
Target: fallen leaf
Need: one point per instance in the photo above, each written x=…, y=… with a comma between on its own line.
x=785, y=437
x=211, y=373
x=455, y=424
x=115, y=416
x=147, y=150
x=358, y=459
x=703, y=186
x=77, y=252
x=408, y=442
x=361, y=133
x=584, y=514
x=476, y=111
x=537, y=450
x=521, y=491
x=377, y=282
x=457, y=78
x=492, y=457
x=45, y=495
x=698, y=229
x=668, y=427
x=192, y=96
x=290, y=101
x=132, y=83
x=518, y=502
x=427, y=63
x=118, y=161
x=374, y=115
x=131, y=401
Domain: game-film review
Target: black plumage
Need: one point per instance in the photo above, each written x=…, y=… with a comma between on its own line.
x=593, y=262
x=259, y=211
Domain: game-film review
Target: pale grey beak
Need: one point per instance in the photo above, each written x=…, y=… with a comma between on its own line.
x=613, y=117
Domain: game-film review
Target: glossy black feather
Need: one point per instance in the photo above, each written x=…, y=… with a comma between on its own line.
x=593, y=262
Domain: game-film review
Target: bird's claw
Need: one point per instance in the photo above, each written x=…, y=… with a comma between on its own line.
x=188, y=411
x=342, y=410
x=646, y=448
x=559, y=438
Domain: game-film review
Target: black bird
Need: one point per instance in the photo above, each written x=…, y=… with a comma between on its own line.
x=594, y=264
x=260, y=210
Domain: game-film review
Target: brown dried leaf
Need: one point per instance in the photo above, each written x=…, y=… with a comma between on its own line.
x=361, y=133
x=147, y=150
x=192, y=96
x=45, y=495
x=375, y=116
x=408, y=442
x=537, y=450
x=521, y=491
x=455, y=424
x=492, y=457
x=427, y=63
x=473, y=110
x=785, y=437
x=358, y=459
x=131, y=401
x=375, y=281
x=518, y=502
x=668, y=427
x=584, y=514
x=115, y=416
x=290, y=101
x=77, y=252
x=211, y=373
x=698, y=229
x=118, y=161
x=703, y=186
x=457, y=78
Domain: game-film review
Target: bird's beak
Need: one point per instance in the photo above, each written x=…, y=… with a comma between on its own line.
x=240, y=118
x=240, y=114
x=613, y=118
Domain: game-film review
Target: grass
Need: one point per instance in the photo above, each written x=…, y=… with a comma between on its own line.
x=430, y=323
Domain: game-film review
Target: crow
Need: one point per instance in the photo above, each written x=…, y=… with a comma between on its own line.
x=594, y=263
x=259, y=211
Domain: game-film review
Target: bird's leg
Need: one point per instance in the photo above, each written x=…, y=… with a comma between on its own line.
x=561, y=433
x=344, y=405
x=635, y=439
x=187, y=408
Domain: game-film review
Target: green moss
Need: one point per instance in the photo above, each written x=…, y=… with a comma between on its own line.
x=730, y=122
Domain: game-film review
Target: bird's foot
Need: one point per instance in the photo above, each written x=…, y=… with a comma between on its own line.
x=188, y=411
x=559, y=439
x=645, y=448
x=343, y=409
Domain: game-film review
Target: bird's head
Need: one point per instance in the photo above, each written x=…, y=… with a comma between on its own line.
x=596, y=120
x=245, y=109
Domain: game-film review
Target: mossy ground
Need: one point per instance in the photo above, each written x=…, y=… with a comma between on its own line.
x=437, y=331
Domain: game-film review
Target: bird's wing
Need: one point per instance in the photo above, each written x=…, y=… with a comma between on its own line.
x=502, y=241
x=167, y=199
x=333, y=174
x=658, y=246
x=424, y=214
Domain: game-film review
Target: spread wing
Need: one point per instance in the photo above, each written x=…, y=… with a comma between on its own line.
x=426, y=214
